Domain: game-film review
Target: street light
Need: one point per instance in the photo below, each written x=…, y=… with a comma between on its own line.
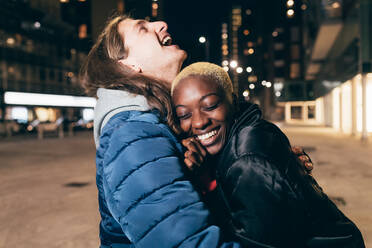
x=246, y=93
x=203, y=40
x=249, y=69
x=233, y=63
x=252, y=86
x=239, y=70
x=225, y=63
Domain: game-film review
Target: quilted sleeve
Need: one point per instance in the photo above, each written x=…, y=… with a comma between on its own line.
x=147, y=193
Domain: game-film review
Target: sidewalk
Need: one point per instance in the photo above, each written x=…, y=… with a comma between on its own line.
x=343, y=167
x=48, y=197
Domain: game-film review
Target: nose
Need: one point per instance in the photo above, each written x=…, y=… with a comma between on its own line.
x=199, y=120
x=160, y=26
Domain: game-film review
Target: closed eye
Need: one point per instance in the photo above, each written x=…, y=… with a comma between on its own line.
x=212, y=107
x=184, y=117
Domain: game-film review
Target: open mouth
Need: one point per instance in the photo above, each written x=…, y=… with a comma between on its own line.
x=209, y=137
x=167, y=41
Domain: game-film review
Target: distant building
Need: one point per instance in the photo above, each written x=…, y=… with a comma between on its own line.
x=338, y=35
x=39, y=53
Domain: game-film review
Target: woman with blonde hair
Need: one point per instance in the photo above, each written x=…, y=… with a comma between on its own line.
x=251, y=174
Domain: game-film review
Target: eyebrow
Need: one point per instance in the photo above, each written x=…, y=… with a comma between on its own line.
x=138, y=24
x=201, y=99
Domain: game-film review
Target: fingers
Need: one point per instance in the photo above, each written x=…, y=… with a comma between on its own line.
x=297, y=150
x=304, y=158
x=309, y=166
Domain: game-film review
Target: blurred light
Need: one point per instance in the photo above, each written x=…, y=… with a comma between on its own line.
x=10, y=41
x=226, y=68
x=88, y=114
x=233, y=63
x=250, y=44
x=249, y=69
x=278, y=94
x=225, y=52
x=70, y=74
x=251, y=51
x=252, y=79
x=82, y=1
x=246, y=93
x=73, y=51
x=290, y=3
x=83, y=31
x=64, y=1
x=336, y=5
x=268, y=84
x=290, y=13
x=224, y=47
x=248, y=12
x=224, y=36
x=239, y=70
x=155, y=6
x=303, y=6
x=11, y=69
x=225, y=63
x=275, y=34
x=21, y=98
x=202, y=39
x=246, y=32
x=263, y=82
x=19, y=113
x=278, y=86
x=37, y=25
x=252, y=86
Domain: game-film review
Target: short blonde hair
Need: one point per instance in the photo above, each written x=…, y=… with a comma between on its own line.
x=209, y=70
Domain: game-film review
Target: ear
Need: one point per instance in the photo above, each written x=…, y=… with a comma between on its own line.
x=132, y=65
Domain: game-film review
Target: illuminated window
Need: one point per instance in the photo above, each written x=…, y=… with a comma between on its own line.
x=295, y=70
x=83, y=31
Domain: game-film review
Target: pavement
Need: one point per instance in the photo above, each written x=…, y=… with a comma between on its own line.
x=48, y=196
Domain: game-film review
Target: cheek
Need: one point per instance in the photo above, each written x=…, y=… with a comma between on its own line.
x=185, y=125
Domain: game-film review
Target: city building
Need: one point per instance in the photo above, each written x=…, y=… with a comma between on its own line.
x=339, y=62
x=40, y=58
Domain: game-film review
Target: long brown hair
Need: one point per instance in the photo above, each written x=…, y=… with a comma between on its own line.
x=101, y=69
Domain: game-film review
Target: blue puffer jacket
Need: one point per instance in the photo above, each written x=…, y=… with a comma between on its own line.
x=144, y=198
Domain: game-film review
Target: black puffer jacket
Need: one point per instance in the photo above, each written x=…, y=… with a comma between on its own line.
x=269, y=197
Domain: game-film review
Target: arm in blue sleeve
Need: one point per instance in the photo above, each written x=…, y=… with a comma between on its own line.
x=148, y=194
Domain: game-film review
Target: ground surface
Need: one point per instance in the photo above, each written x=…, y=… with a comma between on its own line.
x=48, y=196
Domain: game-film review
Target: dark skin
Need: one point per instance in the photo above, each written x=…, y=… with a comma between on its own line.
x=205, y=114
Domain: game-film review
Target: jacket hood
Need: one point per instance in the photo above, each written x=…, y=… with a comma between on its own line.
x=111, y=102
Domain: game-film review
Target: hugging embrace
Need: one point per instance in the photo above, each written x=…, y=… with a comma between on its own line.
x=235, y=182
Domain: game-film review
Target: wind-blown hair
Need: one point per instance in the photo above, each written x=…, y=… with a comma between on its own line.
x=102, y=69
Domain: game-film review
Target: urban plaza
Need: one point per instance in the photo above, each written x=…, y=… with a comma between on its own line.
x=193, y=124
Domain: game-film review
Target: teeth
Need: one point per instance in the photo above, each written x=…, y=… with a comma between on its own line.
x=207, y=135
x=166, y=41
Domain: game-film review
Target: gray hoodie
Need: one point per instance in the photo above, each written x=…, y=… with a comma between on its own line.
x=111, y=102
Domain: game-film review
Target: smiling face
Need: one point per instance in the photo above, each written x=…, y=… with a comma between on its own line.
x=204, y=111
x=150, y=50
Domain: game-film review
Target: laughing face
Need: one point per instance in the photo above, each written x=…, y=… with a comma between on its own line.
x=204, y=111
x=150, y=49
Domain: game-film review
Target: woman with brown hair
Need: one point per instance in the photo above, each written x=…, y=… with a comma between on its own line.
x=145, y=199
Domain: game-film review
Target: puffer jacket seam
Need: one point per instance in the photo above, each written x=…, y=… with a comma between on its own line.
x=144, y=196
x=127, y=144
x=140, y=166
x=168, y=215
